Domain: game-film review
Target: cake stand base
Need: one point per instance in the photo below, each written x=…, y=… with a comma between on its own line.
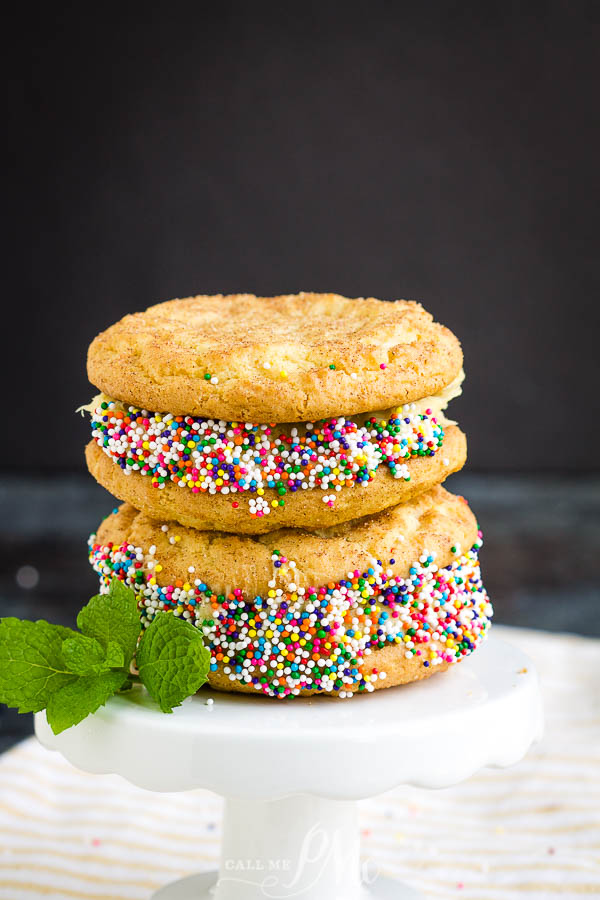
x=202, y=887
x=291, y=772
x=302, y=846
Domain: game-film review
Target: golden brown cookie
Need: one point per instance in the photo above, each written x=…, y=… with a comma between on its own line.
x=274, y=359
x=371, y=603
x=303, y=509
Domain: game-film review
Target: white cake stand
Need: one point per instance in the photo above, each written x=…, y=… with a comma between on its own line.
x=292, y=771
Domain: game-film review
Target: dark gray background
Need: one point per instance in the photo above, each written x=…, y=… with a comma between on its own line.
x=445, y=152
x=397, y=150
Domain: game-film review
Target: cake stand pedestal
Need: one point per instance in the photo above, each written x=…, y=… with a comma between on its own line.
x=291, y=772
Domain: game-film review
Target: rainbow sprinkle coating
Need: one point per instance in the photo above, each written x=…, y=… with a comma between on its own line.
x=297, y=639
x=210, y=456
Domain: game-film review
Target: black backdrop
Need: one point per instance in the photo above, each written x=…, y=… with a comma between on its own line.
x=432, y=153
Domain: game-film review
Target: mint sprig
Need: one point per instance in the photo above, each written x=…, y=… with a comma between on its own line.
x=71, y=674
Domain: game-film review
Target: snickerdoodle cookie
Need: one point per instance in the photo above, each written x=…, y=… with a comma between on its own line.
x=291, y=358
x=251, y=512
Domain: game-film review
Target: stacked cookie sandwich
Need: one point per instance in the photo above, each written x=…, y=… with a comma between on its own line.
x=280, y=460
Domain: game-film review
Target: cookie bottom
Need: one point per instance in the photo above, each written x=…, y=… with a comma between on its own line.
x=390, y=667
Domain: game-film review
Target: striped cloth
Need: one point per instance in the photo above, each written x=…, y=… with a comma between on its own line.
x=530, y=831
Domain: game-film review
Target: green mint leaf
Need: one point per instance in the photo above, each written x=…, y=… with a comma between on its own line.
x=32, y=665
x=113, y=618
x=84, y=655
x=115, y=657
x=78, y=699
x=172, y=660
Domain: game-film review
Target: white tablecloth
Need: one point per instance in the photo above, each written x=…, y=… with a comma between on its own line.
x=530, y=831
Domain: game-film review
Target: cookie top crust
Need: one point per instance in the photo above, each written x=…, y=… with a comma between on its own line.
x=437, y=522
x=274, y=359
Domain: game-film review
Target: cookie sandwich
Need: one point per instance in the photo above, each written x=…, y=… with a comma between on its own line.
x=371, y=603
x=251, y=414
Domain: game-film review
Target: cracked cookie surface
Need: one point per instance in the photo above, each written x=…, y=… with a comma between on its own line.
x=274, y=359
